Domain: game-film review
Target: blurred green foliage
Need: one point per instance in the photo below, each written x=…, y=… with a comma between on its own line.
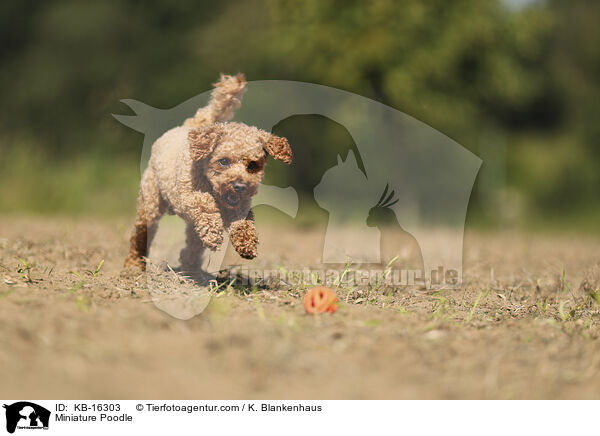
x=519, y=79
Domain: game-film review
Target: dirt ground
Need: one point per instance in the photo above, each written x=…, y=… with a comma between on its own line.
x=520, y=327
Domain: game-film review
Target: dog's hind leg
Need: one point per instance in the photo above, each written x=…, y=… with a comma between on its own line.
x=150, y=207
x=191, y=254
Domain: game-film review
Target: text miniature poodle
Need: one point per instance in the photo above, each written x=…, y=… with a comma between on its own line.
x=206, y=172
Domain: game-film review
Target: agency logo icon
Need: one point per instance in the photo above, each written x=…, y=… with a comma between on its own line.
x=24, y=415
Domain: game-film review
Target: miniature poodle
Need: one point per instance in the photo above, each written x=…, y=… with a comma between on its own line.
x=206, y=172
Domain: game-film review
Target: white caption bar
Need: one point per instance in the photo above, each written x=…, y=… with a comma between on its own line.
x=150, y=417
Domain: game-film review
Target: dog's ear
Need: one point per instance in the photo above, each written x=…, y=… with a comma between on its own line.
x=202, y=141
x=279, y=148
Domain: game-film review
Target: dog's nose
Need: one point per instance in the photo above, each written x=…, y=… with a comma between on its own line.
x=239, y=187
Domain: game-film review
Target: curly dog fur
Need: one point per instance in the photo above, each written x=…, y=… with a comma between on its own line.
x=206, y=172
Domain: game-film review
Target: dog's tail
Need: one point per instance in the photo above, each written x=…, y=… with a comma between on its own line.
x=225, y=99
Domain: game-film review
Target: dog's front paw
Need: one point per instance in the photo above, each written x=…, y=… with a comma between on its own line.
x=210, y=231
x=244, y=238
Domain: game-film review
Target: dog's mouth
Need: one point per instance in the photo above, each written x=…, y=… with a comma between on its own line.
x=232, y=198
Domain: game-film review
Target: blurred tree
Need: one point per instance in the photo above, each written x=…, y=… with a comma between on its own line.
x=67, y=63
x=576, y=66
x=465, y=67
x=450, y=64
x=560, y=172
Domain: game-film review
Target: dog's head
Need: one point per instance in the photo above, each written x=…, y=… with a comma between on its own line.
x=233, y=157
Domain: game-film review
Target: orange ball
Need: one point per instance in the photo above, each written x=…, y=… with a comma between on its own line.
x=320, y=300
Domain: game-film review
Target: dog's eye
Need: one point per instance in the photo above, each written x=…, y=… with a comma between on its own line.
x=224, y=162
x=252, y=166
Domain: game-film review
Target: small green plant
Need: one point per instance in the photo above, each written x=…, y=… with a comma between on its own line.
x=595, y=296
x=543, y=305
x=480, y=297
x=24, y=270
x=215, y=288
x=564, y=285
x=95, y=273
x=388, y=267
x=368, y=296
x=573, y=312
x=564, y=315
x=441, y=305
x=349, y=291
x=77, y=286
x=218, y=291
x=347, y=269
x=316, y=278
x=229, y=287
